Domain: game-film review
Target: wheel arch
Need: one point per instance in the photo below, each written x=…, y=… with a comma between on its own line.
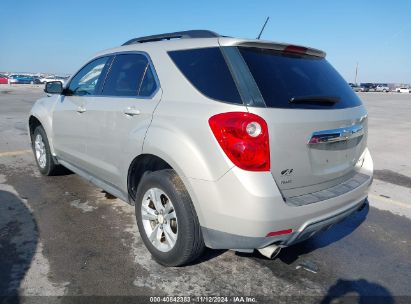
x=40, y=114
x=34, y=122
x=145, y=163
x=142, y=164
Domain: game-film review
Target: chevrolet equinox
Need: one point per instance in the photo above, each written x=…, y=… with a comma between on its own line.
x=219, y=142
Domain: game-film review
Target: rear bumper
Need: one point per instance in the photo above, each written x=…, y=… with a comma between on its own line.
x=222, y=240
x=241, y=208
x=312, y=227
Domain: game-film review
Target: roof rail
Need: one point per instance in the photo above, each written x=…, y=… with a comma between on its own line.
x=175, y=35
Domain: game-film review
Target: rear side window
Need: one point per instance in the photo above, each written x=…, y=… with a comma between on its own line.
x=207, y=71
x=282, y=77
x=130, y=75
x=148, y=85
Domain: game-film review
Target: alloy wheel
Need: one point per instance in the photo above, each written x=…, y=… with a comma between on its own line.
x=40, y=149
x=159, y=219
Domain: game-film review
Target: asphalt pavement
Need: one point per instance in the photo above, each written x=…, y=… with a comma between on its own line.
x=63, y=236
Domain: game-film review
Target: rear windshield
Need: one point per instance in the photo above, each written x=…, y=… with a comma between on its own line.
x=283, y=77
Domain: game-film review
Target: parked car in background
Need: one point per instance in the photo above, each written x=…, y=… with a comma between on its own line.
x=368, y=87
x=4, y=79
x=362, y=89
x=63, y=78
x=12, y=79
x=403, y=90
x=53, y=78
x=46, y=79
x=21, y=79
x=382, y=88
x=36, y=80
x=356, y=87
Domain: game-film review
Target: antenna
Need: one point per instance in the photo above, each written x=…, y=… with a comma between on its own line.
x=265, y=23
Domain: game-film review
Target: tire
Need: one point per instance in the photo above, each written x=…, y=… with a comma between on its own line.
x=40, y=145
x=184, y=229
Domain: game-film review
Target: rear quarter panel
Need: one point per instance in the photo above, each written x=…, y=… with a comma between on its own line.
x=179, y=132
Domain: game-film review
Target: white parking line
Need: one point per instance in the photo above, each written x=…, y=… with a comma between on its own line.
x=388, y=204
x=14, y=153
x=389, y=201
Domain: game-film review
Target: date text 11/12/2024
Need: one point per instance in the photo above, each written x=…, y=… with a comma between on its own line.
x=203, y=299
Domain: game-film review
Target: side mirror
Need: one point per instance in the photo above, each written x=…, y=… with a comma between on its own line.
x=53, y=87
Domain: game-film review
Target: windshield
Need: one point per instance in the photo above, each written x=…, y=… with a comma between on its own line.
x=284, y=77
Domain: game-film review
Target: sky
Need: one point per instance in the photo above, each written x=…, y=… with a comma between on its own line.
x=59, y=36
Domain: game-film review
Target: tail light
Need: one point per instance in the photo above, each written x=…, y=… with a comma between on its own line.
x=244, y=139
x=295, y=49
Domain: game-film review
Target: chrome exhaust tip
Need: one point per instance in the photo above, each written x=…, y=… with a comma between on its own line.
x=270, y=252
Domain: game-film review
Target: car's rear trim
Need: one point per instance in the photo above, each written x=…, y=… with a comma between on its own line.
x=222, y=240
x=349, y=185
x=309, y=229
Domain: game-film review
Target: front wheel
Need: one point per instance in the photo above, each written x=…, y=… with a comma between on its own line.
x=166, y=219
x=42, y=153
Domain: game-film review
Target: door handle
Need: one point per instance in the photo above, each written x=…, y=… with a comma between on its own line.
x=81, y=109
x=130, y=111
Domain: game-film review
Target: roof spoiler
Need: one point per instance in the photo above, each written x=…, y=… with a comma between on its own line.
x=230, y=41
x=174, y=35
x=281, y=47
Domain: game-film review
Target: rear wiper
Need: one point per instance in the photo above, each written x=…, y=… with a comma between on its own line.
x=324, y=100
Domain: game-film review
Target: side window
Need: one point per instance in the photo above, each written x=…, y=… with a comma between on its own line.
x=88, y=78
x=208, y=72
x=129, y=75
x=148, y=85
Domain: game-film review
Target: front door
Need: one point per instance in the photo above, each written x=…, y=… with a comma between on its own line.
x=70, y=114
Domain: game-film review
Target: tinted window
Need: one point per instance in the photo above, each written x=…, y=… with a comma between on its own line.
x=88, y=78
x=207, y=70
x=126, y=75
x=281, y=77
x=148, y=85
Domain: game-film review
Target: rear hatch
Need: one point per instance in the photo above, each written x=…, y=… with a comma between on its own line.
x=317, y=124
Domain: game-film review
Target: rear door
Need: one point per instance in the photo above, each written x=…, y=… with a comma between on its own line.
x=119, y=117
x=317, y=124
x=70, y=114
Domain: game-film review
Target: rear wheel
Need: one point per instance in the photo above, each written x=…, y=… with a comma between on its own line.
x=166, y=219
x=42, y=153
